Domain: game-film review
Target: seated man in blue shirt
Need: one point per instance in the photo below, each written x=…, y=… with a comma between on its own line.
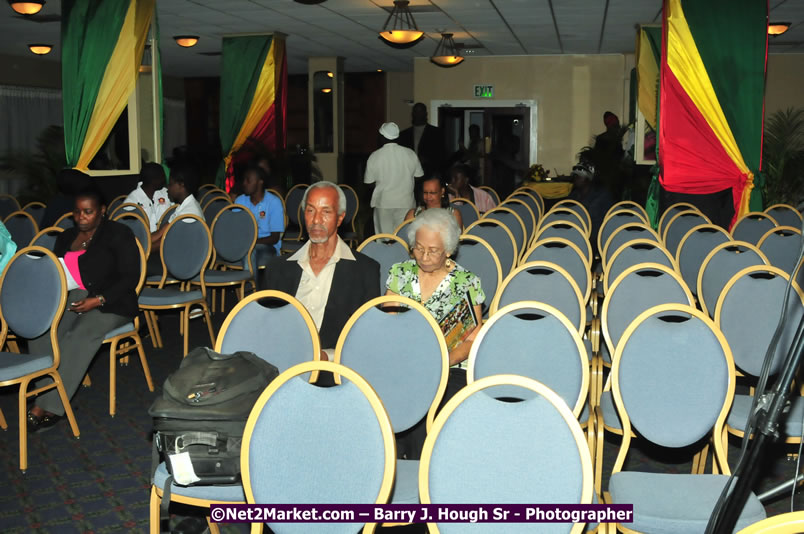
x=267, y=209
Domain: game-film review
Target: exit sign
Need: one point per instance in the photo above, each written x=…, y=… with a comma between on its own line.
x=484, y=91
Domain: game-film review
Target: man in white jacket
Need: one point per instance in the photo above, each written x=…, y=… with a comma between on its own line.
x=151, y=193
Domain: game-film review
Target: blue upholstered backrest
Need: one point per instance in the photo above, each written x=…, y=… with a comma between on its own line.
x=165, y=219
x=750, y=314
x=622, y=236
x=66, y=223
x=509, y=220
x=114, y=204
x=213, y=208
x=532, y=203
x=667, y=215
x=641, y=253
x=185, y=248
x=725, y=263
x=751, y=228
x=316, y=445
x=477, y=259
x=22, y=230
x=47, y=240
x=524, y=214
x=692, y=254
x=578, y=208
x=37, y=212
x=351, y=205
x=468, y=213
x=781, y=248
x=399, y=355
x=386, y=253
x=617, y=219
x=140, y=231
x=532, y=343
x=276, y=333
x=490, y=451
x=495, y=236
x=232, y=234
x=785, y=216
x=679, y=228
x=292, y=202
x=30, y=296
x=564, y=256
x=674, y=379
x=570, y=233
x=574, y=217
x=546, y=285
x=637, y=292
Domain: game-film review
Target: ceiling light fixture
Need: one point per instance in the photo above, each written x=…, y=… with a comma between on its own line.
x=446, y=54
x=778, y=28
x=330, y=74
x=326, y=90
x=379, y=70
x=40, y=49
x=186, y=40
x=403, y=29
x=31, y=7
x=310, y=2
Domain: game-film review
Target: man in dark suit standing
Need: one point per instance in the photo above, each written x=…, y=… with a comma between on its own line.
x=327, y=277
x=424, y=139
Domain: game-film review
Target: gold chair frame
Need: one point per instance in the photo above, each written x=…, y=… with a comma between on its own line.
x=708, y=258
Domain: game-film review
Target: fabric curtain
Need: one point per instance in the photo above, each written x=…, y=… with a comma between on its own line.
x=701, y=124
x=175, y=129
x=89, y=33
x=24, y=113
x=649, y=42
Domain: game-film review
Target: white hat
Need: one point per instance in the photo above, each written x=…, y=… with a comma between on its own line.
x=389, y=130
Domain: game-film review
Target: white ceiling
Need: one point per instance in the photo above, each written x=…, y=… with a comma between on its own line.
x=349, y=28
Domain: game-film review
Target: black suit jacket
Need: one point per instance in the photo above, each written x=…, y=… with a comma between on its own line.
x=353, y=284
x=431, y=147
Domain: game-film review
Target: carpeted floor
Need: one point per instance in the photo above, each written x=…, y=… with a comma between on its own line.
x=101, y=482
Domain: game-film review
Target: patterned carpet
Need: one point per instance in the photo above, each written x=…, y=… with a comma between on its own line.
x=101, y=482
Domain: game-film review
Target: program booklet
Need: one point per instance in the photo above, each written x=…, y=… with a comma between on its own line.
x=457, y=324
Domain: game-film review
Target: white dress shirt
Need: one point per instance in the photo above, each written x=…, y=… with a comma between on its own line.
x=189, y=206
x=154, y=208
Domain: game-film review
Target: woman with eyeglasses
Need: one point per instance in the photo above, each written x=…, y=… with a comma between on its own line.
x=434, y=195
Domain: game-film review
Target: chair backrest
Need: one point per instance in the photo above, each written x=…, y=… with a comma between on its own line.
x=211, y=194
x=138, y=226
x=546, y=282
x=637, y=289
x=566, y=230
x=282, y=201
x=186, y=249
x=22, y=227
x=615, y=220
x=677, y=227
x=65, y=222
x=670, y=212
x=536, y=340
x=385, y=249
x=781, y=245
x=758, y=292
x=513, y=222
x=499, y=236
x=723, y=262
x=467, y=209
x=566, y=254
x=401, y=230
x=752, y=226
x=491, y=191
x=46, y=238
x=673, y=380
x=164, y=220
x=533, y=193
x=693, y=248
x=525, y=212
x=274, y=326
x=477, y=256
x=624, y=234
x=785, y=215
x=33, y=294
x=352, y=205
x=234, y=234
x=293, y=200
x=409, y=373
x=566, y=214
x=577, y=207
x=788, y=523
x=205, y=187
x=483, y=439
x=213, y=207
x=345, y=427
x=113, y=205
x=36, y=210
x=633, y=253
x=629, y=205
x=531, y=201
x=129, y=207
x=8, y=205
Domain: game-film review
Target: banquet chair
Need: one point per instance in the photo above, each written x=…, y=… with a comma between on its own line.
x=185, y=250
x=577, y=207
x=46, y=238
x=679, y=225
x=723, y=262
x=532, y=202
x=35, y=210
x=531, y=193
x=476, y=255
x=129, y=207
x=628, y=205
x=467, y=209
x=671, y=212
x=785, y=215
x=401, y=231
x=752, y=226
x=164, y=220
x=491, y=191
x=138, y=226
x=525, y=212
x=566, y=214
x=293, y=210
x=513, y=222
x=211, y=194
x=213, y=207
x=8, y=205
x=624, y=234
x=612, y=222
x=65, y=222
x=499, y=236
x=291, y=422
x=673, y=381
x=22, y=227
x=781, y=246
x=633, y=253
x=403, y=356
x=117, y=201
x=347, y=230
x=203, y=188
x=505, y=452
x=569, y=231
x=693, y=248
x=385, y=249
x=33, y=297
x=567, y=255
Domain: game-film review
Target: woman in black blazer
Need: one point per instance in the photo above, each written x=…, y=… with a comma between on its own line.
x=102, y=266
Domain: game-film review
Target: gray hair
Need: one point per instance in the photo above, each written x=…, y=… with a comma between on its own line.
x=324, y=183
x=439, y=220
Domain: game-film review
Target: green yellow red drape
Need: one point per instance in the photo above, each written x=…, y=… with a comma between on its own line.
x=253, y=104
x=711, y=98
x=102, y=46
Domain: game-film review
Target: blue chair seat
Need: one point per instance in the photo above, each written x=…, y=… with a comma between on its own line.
x=227, y=492
x=224, y=277
x=13, y=366
x=666, y=503
x=158, y=277
x=740, y=408
x=151, y=296
x=125, y=329
x=406, y=484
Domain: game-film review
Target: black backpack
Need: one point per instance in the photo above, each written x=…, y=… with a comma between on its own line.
x=202, y=413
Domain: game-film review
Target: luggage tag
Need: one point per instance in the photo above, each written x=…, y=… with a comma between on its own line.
x=183, y=472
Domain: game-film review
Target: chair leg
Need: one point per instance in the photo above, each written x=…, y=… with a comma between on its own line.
x=213, y=527
x=13, y=347
x=144, y=362
x=155, y=527
x=112, y=377
x=23, y=416
x=87, y=382
x=3, y=423
x=150, y=328
x=157, y=334
x=208, y=319
x=223, y=300
x=185, y=324
x=68, y=411
x=598, y=471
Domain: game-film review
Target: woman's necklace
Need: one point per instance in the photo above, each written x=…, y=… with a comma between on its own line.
x=85, y=244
